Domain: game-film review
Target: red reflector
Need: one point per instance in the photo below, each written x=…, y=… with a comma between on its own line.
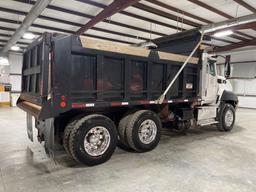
x=144, y=102
x=63, y=104
x=78, y=105
x=62, y=97
x=116, y=104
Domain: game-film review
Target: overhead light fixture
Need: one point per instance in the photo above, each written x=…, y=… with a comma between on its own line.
x=4, y=61
x=29, y=36
x=223, y=33
x=15, y=48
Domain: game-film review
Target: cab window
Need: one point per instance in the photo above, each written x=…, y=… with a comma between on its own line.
x=212, y=67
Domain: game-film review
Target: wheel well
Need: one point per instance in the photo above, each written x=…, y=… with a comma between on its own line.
x=61, y=122
x=233, y=103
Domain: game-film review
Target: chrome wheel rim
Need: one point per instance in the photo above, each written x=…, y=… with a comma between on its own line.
x=147, y=131
x=229, y=118
x=97, y=141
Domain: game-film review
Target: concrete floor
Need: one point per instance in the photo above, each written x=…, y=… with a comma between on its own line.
x=202, y=160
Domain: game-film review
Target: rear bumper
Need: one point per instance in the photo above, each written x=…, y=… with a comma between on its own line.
x=40, y=112
x=30, y=108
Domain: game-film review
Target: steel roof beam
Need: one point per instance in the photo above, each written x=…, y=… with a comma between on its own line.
x=18, y=42
x=52, y=7
x=244, y=22
x=9, y=35
x=94, y=3
x=13, y=30
x=246, y=5
x=152, y=21
x=106, y=20
x=236, y=46
x=99, y=5
x=223, y=40
x=5, y=35
x=238, y=37
x=110, y=10
x=77, y=25
x=174, y=9
x=210, y=44
x=218, y=12
x=212, y=9
x=93, y=28
x=241, y=26
x=58, y=30
x=166, y=15
x=136, y=16
x=71, y=23
x=36, y=10
x=242, y=34
x=166, y=6
x=141, y=7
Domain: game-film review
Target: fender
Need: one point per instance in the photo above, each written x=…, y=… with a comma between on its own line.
x=229, y=96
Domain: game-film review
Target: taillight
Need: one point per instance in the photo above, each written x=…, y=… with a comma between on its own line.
x=63, y=102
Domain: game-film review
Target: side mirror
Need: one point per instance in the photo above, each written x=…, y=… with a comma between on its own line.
x=227, y=66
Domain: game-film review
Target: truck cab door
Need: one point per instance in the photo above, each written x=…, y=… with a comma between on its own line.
x=209, y=81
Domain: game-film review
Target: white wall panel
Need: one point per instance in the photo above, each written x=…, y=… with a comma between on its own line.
x=250, y=86
x=247, y=102
x=244, y=56
x=246, y=90
x=244, y=84
x=244, y=70
x=15, y=81
x=15, y=61
x=4, y=74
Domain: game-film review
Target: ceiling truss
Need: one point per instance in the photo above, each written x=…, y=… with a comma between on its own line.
x=191, y=20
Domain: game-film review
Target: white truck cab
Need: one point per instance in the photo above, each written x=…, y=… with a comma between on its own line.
x=218, y=102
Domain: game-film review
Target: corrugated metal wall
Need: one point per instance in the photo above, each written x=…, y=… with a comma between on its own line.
x=243, y=77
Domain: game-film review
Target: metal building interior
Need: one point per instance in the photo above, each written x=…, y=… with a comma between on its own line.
x=202, y=159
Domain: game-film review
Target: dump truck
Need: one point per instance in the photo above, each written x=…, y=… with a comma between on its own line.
x=87, y=96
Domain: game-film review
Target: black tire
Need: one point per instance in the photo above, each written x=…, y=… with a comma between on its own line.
x=223, y=125
x=67, y=132
x=133, y=126
x=66, y=135
x=79, y=132
x=124, y=147
x=122, y=142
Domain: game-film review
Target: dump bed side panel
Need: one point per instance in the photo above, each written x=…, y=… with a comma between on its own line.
x=60, y=74
x=101, y=76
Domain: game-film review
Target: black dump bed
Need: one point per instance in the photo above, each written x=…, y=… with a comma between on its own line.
x=61, y=73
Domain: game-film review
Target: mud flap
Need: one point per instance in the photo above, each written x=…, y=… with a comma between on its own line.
x=49, y=138
x=30, y=127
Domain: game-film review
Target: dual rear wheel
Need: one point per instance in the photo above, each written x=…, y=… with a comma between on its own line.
x=140, y=131
x=92, y=139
